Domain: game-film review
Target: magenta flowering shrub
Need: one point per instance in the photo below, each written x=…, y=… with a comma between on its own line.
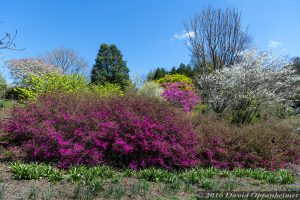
x=83, y=129
x=181, y=95
x=214, y=153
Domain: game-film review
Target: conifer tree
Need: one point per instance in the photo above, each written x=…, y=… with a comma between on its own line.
x=110, y=67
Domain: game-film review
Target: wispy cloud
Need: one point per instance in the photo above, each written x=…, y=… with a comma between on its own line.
x=183, y=35
x=179, y=36
x=274, y=44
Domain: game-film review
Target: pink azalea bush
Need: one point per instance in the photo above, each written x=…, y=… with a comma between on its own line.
x=181, y=95
x=84, y=129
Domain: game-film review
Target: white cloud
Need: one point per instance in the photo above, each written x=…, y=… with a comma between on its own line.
x=183, y=35
x=274, y=44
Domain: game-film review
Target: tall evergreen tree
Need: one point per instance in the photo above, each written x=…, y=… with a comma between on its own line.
x=186, y=70
x=110, y=67
x=157, y=74
x=173, y=70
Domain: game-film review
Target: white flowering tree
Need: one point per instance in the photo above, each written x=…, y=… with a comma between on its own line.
x=242, y=89
x=151, y=89
x=20, y=69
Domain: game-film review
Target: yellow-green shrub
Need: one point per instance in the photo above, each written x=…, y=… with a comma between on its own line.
x=174, y=78
x=21, y=93
x=107, y=90
x=35, y=85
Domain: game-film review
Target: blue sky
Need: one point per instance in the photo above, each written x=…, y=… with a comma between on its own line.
x=144, y=30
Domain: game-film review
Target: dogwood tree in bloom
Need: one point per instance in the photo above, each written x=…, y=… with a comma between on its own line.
x=20, y=69
x=258, y=79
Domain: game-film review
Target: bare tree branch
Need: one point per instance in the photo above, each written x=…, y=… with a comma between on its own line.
x=7, y=42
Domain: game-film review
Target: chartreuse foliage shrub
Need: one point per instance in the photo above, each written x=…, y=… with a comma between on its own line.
x=84, y=129
x=174, y=78
x=107, y=90
x=20, y=93
x=36, y=85
x=265, y=144
x=54, y=81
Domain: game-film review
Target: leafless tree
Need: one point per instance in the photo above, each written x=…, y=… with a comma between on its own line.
x=216, y=38
x=67, y=60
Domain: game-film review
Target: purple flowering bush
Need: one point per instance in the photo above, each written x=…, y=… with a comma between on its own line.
x=70, y=129
x=181, y=95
